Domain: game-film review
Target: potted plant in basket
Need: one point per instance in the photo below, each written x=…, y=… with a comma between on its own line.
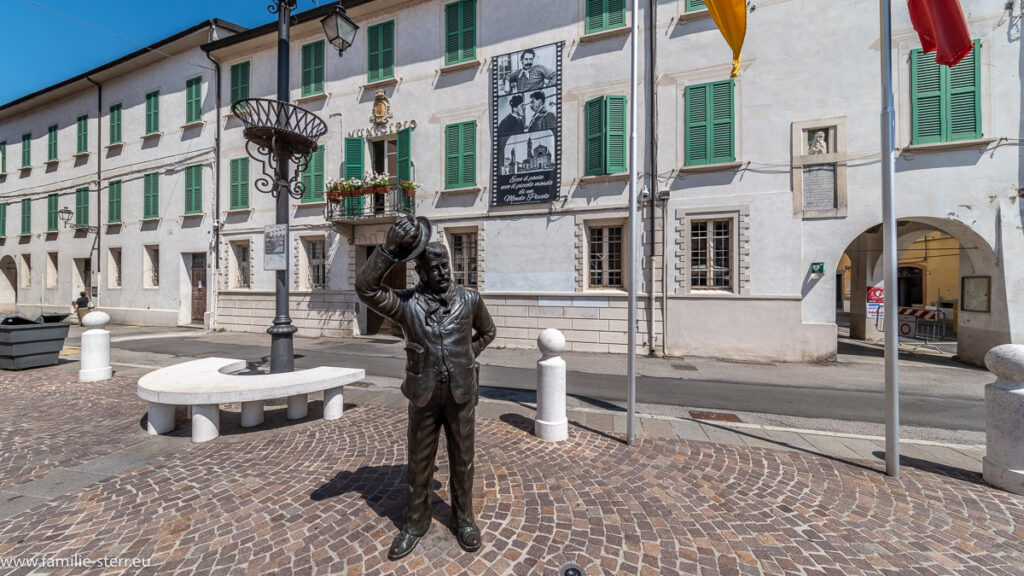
x=379, y=183
x=409, y=188
x=335, y=190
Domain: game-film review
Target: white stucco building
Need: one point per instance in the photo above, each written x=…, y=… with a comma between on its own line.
x=756, y=182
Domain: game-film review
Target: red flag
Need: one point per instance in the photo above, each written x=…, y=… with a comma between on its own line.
x=940, y=24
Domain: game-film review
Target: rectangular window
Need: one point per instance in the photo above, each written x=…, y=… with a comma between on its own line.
x=605, y=136
x=194, y=189
x=317, y=276
x=711, y=254
x=52, y=272
x=83, y=135
x=239, y=81
x=82, y=206
x=26, y=217
x=313, y=178
x=695, y=5
x=460, y=155
x=115, y=124
x=151, y=267
x=239, y=184
x=114, y=202
x=464, y=259
x=151, y=196
x=710, y=123
x=313, y=68
x=26, y=150
x=380, y=63
x=605, y=246
x=51, y=143
x=114, y=268
x=460, y=31
x=605, y=15
x=52, y=208
x=194, y=100
x=946, y=102
x=3, y=157
x=153, y=112
x=240, y=250
x=3, y=220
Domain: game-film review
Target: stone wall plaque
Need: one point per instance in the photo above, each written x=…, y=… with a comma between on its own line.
x=819, y=182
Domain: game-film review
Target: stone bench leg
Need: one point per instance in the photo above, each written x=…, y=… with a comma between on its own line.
x=160, y=419
x=333, y=403
x=205, y=422
x=252, y=413
x=298, y=406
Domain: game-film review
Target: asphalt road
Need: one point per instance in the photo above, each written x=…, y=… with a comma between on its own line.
x=919, y=406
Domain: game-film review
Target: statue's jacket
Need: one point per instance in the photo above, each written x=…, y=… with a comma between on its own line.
x=436, y=344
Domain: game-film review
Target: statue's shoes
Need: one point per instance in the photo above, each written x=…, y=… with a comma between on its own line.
x=403, y=545
x=469, y=538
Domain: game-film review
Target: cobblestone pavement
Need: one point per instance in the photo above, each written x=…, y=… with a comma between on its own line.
x=315, y=497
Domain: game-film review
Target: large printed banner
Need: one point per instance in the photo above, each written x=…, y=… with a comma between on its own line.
x=527, y=126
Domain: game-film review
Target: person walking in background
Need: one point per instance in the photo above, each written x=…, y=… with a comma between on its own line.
x=81, y=306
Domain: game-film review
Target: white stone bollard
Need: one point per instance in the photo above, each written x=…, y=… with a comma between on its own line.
x=95, y=356
x=1003, y=465
x=551, y=424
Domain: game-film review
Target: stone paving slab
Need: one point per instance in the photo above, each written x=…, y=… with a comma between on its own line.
x=315, y=497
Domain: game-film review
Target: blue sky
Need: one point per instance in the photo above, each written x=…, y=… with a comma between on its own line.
x=47, y=41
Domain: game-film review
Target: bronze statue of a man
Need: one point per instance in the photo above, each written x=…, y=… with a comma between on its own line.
x=446, y=327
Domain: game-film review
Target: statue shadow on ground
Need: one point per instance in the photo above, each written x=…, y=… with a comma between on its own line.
x=936, y=468
x=383, y=488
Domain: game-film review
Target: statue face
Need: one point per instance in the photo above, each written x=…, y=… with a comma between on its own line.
x=435, y=273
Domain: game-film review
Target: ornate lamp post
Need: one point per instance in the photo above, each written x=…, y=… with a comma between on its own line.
x=279, y=135
x=66, y=214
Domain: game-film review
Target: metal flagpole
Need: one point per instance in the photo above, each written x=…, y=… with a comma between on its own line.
x=634, y=260
x=892, y=382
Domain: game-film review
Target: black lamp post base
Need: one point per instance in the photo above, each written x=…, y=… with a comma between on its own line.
x=282, y=350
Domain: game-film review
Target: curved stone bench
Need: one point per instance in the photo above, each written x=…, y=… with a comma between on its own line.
x=205, y=384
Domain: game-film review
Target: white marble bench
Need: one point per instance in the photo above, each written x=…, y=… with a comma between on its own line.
x=205, y=384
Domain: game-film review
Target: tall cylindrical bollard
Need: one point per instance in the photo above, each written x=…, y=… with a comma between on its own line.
x=95, y=357
x=1003, y=465
x=551, y=424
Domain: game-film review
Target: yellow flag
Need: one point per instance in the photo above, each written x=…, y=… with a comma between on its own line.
x=731, y=18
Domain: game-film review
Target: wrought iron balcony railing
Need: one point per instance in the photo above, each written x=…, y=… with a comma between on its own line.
x=378, y=206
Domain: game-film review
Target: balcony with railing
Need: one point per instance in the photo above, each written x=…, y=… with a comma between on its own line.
x=379, y=205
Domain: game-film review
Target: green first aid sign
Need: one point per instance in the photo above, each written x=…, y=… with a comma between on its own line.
x=817, y=267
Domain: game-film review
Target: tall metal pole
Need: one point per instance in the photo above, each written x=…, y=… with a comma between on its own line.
x=892, y=350
x=634, y=240
x=282, y=351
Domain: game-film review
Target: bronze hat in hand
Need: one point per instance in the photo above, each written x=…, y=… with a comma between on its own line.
x=407, y=238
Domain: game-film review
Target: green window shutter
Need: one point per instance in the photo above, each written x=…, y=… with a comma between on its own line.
x=194, y=190
x=194, y=100
x=114, y=202
x=615, y=13
x=26, y=150
x=405, y=154
x=240, y=184
x=594, y=16
x=51, y=212
x=313, y=68
x=380, y=64
x=452, y=155
x=926, y=97
x=115, y=124
x=353, y=158
x=604, y=15
x=313, y=178
x=3, y=220
x=697, y=129
x=26, y=216
x=83, y=134
x=965, y=97
x=152, y=112
x=460, y=31
x=694, y=5
x=615, y=155
x=468, y=154
x=594, y=138
x=722, y=142
x=51, y=143
x=373, y=53
x=82, y=206
x=151, y=196
x=240, y=82
x=3, y=157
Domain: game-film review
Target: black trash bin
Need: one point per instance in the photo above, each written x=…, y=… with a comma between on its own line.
x=29, y=343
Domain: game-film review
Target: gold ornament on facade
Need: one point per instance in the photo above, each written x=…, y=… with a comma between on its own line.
x=381, y=109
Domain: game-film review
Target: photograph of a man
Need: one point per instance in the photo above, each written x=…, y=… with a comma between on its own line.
x=515, y=121
x=531, y=75
x=543, y=118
